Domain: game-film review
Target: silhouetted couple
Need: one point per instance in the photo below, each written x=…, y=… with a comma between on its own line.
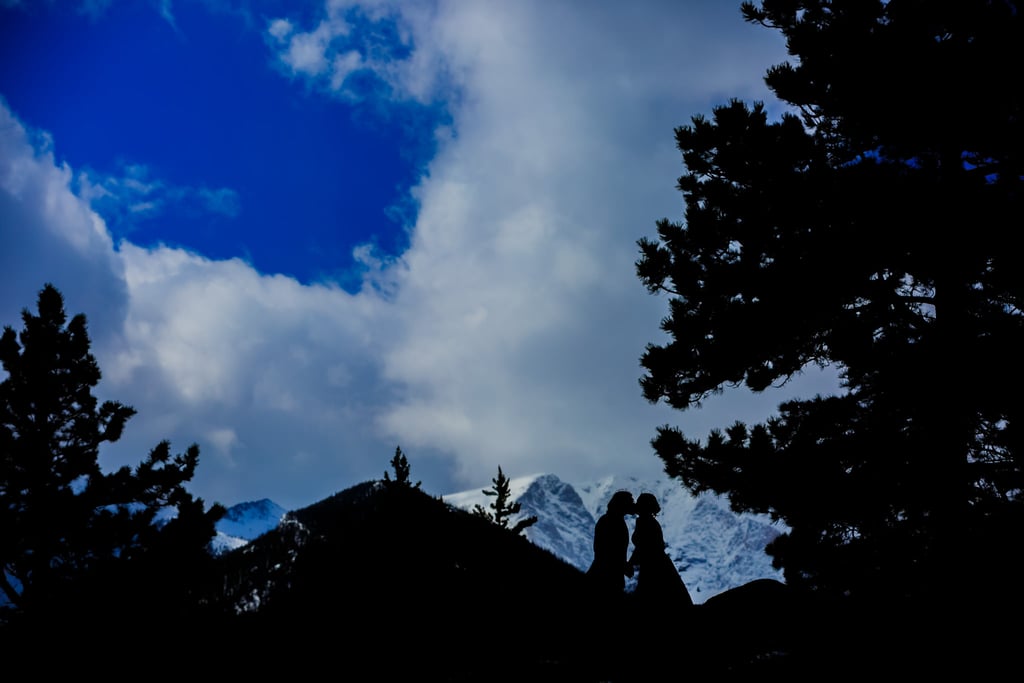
x=658, y=582
x=659, y=595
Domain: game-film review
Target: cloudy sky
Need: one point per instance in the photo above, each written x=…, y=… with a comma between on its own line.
x=307, y=233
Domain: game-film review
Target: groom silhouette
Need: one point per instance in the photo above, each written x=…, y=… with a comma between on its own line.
x=607, y=574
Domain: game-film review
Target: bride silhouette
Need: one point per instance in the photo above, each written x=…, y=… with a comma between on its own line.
x=658, y=582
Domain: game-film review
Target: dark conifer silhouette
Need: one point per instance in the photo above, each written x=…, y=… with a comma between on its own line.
x=77, y=542
x=502, y=510
x=872, y=229
x=400, y=464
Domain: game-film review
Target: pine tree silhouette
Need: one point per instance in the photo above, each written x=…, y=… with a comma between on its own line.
x=76, y=538
x=503, y=510
x=402, y=470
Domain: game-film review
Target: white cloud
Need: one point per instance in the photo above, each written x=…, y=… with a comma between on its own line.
x=523, y=318
x=224, y=440
x=510, y=331
x=277, y=381
x=343, y=66
x=49, y=234
x=346, y=41
x=289, y=368
x=306, y=52
x=133, y=195
x=222, y=200
x=279, y=29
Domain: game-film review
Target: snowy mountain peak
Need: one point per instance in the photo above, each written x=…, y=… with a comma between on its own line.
x=246, y=521
x=713, y=548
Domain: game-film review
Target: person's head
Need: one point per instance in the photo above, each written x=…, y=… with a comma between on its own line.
x=647, y=504
x=621, y=503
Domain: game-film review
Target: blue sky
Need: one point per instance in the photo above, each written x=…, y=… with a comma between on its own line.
x=172, y=98
x=305, y=233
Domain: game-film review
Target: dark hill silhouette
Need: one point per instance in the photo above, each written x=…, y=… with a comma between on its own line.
x=392, y=576
x=385, y=582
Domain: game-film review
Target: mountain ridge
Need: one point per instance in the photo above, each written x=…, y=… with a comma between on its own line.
x=387, y=579
x=714, y=549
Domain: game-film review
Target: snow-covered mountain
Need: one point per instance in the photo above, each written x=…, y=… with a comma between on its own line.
x=713, y=548
x=244, y=522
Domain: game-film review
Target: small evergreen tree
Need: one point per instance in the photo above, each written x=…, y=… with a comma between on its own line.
x=503, y=510
x=400, y=464
x=69, y=531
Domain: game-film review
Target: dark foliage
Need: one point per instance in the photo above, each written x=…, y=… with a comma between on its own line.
x=503, y=509
x=79, y=545
x=403, y=470
x=874, y=229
